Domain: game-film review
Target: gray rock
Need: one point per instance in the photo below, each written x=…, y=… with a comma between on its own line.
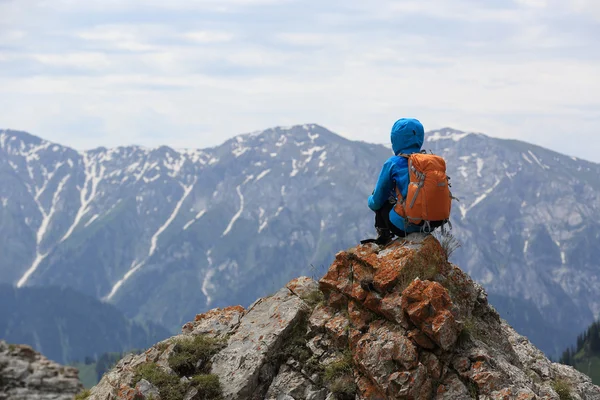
x=217, y=322
x=261, y=333
x=452, y=388
x=147, y=390
x=288, y=382
x=320, y=394
x=303, y=286
x=191, y=394
x=121, y=376
x=27, y=375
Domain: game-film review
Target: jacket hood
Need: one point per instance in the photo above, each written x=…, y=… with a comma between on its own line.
x=408, y=136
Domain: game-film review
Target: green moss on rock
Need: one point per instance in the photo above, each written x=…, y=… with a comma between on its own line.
x=192, y=355
x=169, y=385
x=339, y=377
x=208, y=386
x=563, y=389
x=83, y=395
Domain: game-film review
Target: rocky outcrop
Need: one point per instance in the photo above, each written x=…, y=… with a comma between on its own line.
x=393, y=323
x=27, y=375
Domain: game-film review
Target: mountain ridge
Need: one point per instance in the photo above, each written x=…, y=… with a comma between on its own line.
x=445, y=131
x=200, y=220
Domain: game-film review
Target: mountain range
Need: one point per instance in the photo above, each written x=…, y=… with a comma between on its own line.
x=68, y=326
x=164, y=234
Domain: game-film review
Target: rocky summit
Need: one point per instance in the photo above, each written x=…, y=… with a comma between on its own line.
x=399, y=322
x=27, y=375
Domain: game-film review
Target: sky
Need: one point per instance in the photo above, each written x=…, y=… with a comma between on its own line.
x=194, y=73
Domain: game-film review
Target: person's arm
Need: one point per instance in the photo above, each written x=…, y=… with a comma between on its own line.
x=384, y=187
x=402, y=180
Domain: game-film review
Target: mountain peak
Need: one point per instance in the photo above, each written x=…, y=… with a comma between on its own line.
x=401, y=322
x=8, y=134
x=300, y=133
x=448, y=134
x=17, y=141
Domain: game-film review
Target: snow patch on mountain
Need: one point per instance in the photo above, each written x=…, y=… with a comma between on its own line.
x=262, y=174
x=538, y=162
x=153, y=242
x=465, y=209
x=237, y=214
x=437, y=135
x=87, y=193
x=196, y=218
x=46, y=219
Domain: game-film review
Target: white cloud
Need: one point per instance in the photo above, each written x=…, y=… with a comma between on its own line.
x=209, y=36
x=462, y=10
x=205, y=70
x=587, y=7
x=124, y=37
x=533, y=3
x=310, y=39
x=12, y=35
x=111, y=6
x=90, y=61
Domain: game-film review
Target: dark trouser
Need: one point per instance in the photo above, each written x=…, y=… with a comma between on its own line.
x=382, y=220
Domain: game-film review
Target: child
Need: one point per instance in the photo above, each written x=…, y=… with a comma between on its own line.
x=407, y=138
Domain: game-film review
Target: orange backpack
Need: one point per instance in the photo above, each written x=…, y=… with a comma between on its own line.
x=428, y=200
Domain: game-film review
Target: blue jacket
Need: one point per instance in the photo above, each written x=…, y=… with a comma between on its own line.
x=407, y=137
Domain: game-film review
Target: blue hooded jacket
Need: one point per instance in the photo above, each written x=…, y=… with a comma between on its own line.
x=407, y=137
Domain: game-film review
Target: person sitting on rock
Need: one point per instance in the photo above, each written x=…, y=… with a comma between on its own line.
x=407, y=137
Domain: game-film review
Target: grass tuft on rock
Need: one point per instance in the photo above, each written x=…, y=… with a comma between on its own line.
x=469, y=328
x=448, y=241
x=563, y=389
x=339, y=377
x=192, y=355
x=169, y=386
x=344, y=387
x=162, y=346
x=83, y=395
x=208, y=386
x=338, y=368
x=314, y=298
x=295, y=345
x=418, y=267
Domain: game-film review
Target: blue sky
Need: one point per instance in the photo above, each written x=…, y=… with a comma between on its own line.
x=193, y=73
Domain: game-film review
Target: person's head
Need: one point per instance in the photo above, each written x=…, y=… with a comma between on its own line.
x=407, y=136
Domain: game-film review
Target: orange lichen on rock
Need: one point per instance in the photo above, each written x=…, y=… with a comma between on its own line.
x=359, y=317
x=302, y=286
x=126, y=393
x=337, y=328
x=428, y=306
x=220, y=313
x=368, y=390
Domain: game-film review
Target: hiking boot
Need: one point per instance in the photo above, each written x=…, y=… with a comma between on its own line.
x=384, y=236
